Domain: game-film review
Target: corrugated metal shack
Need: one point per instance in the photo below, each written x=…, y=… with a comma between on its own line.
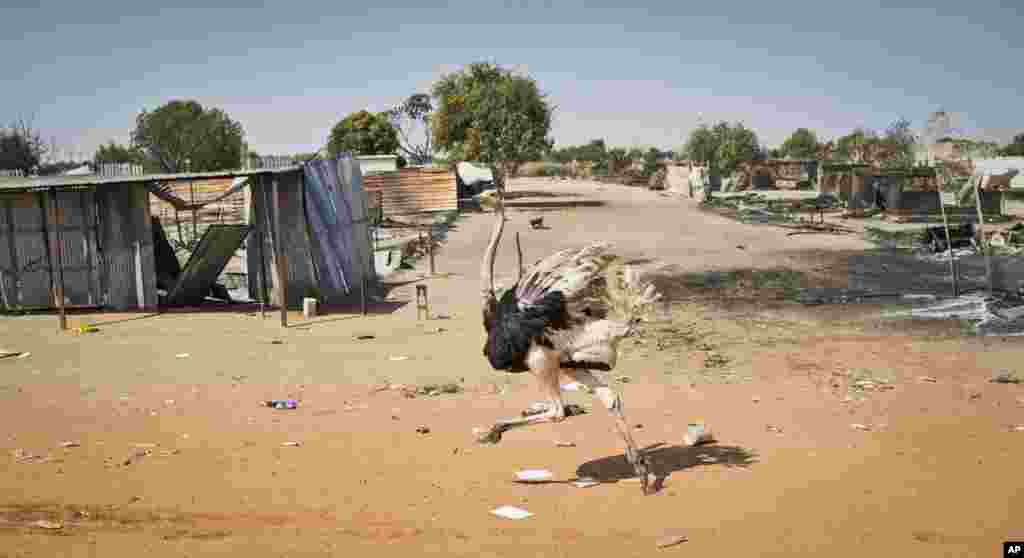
x=412, y=190
x=100, y=229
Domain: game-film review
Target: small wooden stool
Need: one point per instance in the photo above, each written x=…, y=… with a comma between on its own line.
x=421, y=302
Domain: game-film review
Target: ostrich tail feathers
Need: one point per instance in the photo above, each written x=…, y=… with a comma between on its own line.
x=627, y=294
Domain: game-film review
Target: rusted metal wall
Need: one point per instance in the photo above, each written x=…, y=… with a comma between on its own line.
x=416, y=190
x=126, y=242
x=24, y=259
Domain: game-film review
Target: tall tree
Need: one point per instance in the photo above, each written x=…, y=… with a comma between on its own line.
x=21, y=147
x=899, y=144
x=411, y=121
x=363, y=133
x=1015, y=148
x=724, y=147
x=802, y=144
x=489, y=115
x=183, y=135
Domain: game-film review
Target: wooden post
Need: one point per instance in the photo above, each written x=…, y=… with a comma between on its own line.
x=279, y=256
x=258, y=188
x=519, y=257
x=430, y=247
x=56, y=262
x=11, y=298
x=949, y=245
x=981, y=231
x=362, y=295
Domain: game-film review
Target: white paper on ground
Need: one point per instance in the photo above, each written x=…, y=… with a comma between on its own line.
x=585, y=483
x=573, y=386
x=534, y=475
x=510, y=512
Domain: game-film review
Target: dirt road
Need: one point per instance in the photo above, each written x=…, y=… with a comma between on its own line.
x=175, y=457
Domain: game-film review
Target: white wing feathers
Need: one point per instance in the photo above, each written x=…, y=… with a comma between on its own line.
x=569, y=271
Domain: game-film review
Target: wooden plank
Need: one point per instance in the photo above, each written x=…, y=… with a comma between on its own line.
x=279, y=252
x=13, y=277
x=56, y=254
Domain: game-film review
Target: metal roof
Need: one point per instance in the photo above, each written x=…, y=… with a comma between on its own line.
x=70, y=182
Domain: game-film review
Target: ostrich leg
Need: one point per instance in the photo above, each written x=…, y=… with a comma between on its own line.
x=613, y=402
x=543, y=364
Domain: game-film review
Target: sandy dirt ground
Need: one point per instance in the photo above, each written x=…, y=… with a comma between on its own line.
x=174, y=455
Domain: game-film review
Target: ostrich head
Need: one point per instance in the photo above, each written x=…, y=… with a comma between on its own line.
x=490, y=300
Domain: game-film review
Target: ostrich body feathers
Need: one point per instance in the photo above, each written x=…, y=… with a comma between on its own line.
x=579, y=302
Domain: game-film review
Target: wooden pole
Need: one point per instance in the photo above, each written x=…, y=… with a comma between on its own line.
x=981, y=231
x=259, y=218
x=279, y=256
x=362, y=295
x=430, y=247
x=519, y=257
x=57, y=262
x=949, y=245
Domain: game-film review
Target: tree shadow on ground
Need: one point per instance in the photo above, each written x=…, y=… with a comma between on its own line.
x=666, y=460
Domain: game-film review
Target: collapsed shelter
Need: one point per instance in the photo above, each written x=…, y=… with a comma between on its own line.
x=292, y=233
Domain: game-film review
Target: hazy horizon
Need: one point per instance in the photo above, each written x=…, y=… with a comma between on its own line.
x=634, y=76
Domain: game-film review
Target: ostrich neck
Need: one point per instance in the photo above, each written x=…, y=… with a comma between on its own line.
x=487, y=266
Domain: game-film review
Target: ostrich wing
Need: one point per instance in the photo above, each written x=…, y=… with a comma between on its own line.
x=572, y=272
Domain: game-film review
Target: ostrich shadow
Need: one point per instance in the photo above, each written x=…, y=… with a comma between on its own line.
x=666, y=460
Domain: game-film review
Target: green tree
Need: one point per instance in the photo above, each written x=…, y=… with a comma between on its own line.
x=724, y=146
x=21, y=147
x=489, y=115
x=898, y=144
x=411, y=121
x=1015, y=148
x=183, y=135
x=802, y=144
x=113, y=152
x=363, y=133
x=650, y=162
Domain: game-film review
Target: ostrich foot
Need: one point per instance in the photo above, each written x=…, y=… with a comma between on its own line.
x=570, y=410
x=493, y=435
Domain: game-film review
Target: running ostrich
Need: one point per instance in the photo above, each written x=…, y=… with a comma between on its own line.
x=564, y=316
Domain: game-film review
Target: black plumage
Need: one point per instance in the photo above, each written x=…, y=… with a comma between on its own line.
x=511, y=329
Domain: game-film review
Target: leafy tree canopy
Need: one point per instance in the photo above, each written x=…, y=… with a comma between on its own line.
x=487, y=114
x=724, y=147
x=113, y=152
x=363, y=133
x=21, y=147
x=802, y=144
x=184, y=135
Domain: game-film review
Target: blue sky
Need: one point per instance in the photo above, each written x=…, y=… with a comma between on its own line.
x=636, y=75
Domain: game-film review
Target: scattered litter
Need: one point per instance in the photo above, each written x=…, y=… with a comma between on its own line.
x=1007, y=377
x=562, y=444
x=398, y=358
x=7, y=354
x=509, y=512
x=365, y=337
x=1018, y=428
x=534, y=475
x=624, y=379
x=87, y=329
x=740, y=247
x=22, y=456
x=290, y=444
x=928, y=379
x=46, y=524
x=277, y=342
x=755, y=399
x=67, y=445
x=697, y=434
x=585, y=482
x=281, y=404
x=168, y=402
x=773, y=428
x=574, y=386
x=182, y=355
x=146, y=445
x=861, y=427
x=422, y=429
x=673, y=539
x=26, y=354
x=638, y=426
x=442, y=317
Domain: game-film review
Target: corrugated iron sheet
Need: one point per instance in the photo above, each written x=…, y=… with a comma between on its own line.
x=415, y=190
x=217, y=246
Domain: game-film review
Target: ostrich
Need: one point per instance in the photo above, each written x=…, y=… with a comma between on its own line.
x=564, y=316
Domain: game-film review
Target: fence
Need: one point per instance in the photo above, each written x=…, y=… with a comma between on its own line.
x=11, y=173
x=271, y=162
x=118, y=169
